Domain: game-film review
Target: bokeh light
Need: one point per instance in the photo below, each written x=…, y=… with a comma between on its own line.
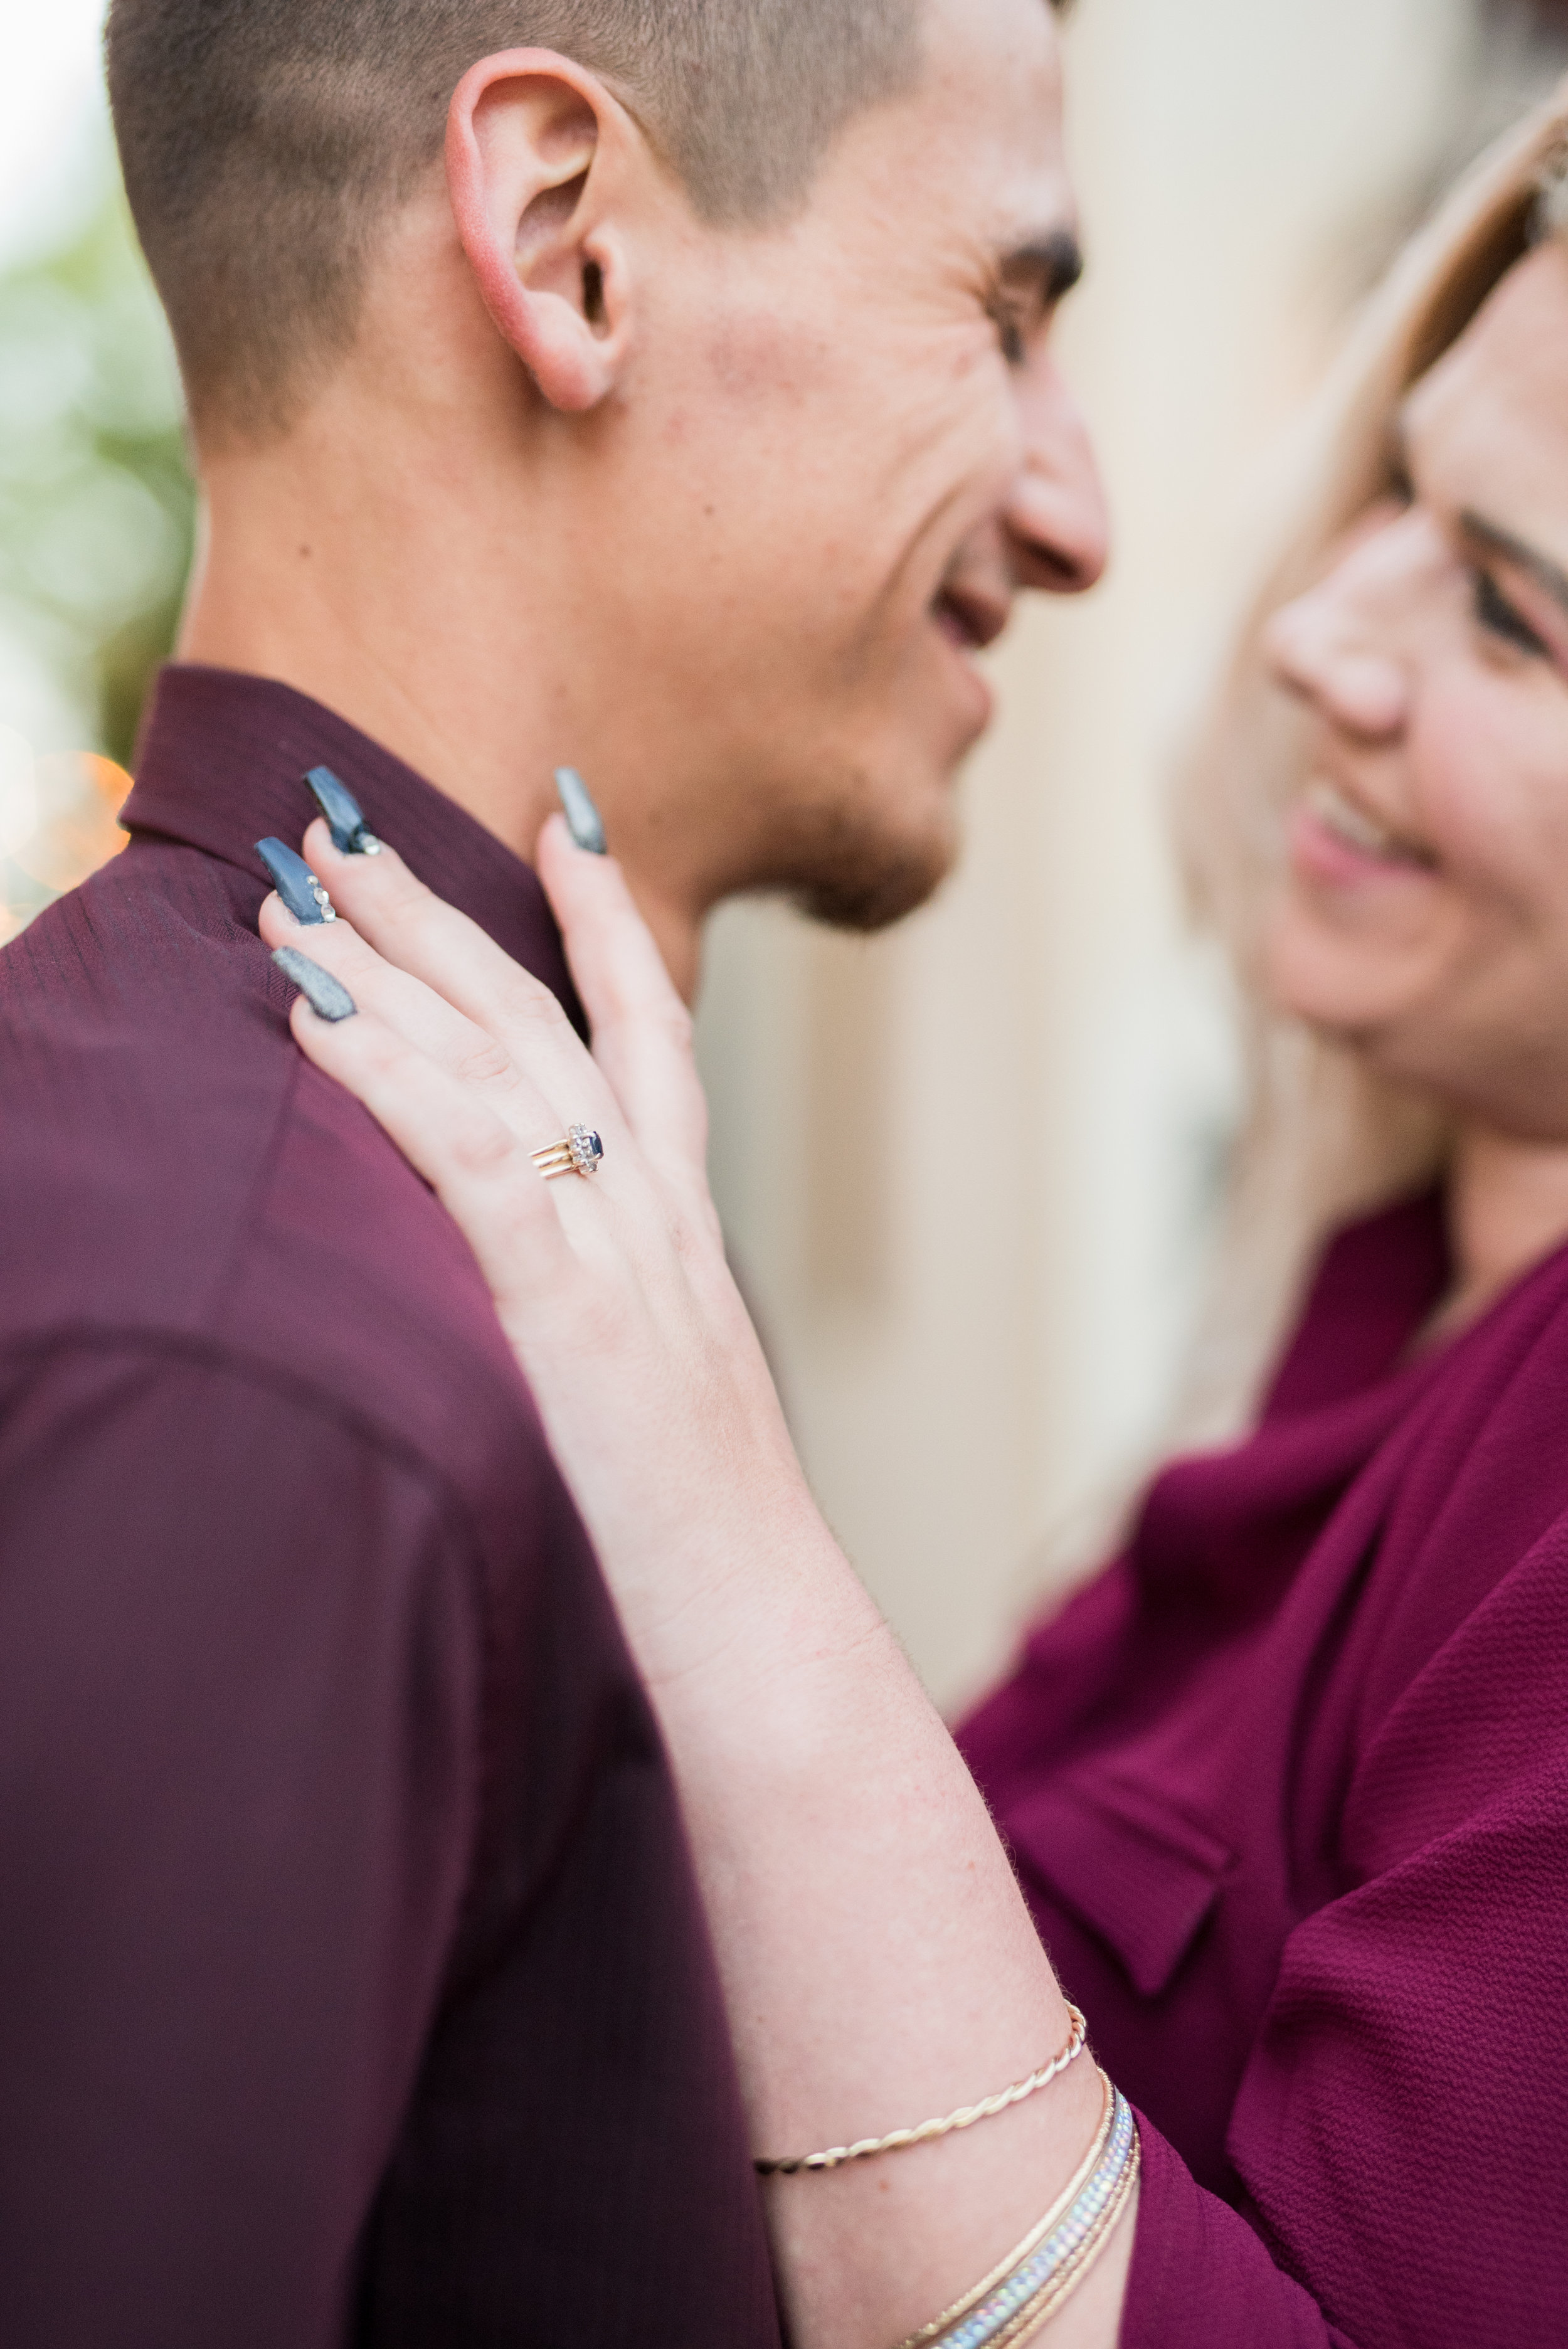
x=97, y=514
x=58, y=824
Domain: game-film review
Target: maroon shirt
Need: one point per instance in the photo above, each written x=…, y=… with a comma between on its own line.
x=353, y=1983
x=1289, y=1792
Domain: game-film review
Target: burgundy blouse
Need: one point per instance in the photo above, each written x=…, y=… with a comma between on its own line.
x=1287, y=1789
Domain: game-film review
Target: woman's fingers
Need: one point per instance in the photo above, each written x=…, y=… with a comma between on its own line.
x=448, y=988
x=477, y=1165
x=412, y=929
x=422, y=1018
x=641, y=1029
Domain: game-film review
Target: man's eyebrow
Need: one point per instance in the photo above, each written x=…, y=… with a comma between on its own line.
x=1548, y=575
x=1055, y=259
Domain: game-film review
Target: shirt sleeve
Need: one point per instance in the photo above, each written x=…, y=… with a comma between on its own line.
x=237, y=1675
x=1401, y=2132
x=1200, y=2278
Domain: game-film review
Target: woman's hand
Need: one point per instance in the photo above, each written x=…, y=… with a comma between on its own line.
x=880, y=1966
x=614, y=1292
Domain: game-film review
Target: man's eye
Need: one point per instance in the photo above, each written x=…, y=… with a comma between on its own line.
x=1499, y=618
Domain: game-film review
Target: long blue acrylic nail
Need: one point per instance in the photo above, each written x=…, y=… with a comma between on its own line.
x=324, y=994
x=344, y=817
x=582, y=818
x=295, y=884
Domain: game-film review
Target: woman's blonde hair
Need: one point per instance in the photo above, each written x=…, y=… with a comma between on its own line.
x=1323, y=1137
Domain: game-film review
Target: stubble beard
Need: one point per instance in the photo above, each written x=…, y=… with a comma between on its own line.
x=844, y=864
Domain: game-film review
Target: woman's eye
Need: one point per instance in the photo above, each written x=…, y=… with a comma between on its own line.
x=1499, y=618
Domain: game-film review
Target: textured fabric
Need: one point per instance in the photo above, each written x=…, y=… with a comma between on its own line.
x=1287, y=1789
x=353, y=1983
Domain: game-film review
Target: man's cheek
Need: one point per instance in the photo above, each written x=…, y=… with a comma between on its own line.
x=956, y=483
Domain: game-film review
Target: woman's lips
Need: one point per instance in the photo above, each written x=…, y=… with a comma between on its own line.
x=1333, y=840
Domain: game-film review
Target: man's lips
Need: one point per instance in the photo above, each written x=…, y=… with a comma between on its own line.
x=1335, y=837
x=969, y=618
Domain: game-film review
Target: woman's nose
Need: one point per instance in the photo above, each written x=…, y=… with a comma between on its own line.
x=1056, y=514
x=1324, y=651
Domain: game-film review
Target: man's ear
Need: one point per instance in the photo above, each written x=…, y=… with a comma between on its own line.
x=532, y=141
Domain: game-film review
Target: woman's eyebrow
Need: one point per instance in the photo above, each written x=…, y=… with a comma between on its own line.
x=1548, y=575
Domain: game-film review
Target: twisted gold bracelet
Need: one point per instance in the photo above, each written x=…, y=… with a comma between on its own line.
x=965, y=2118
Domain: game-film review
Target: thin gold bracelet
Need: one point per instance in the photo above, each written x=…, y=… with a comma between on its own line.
x=1035, y=2318
x=1010, y=2307
x=965, y=2118
x=1036, y=2234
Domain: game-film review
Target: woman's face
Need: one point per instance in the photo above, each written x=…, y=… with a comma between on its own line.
x=1424, y=915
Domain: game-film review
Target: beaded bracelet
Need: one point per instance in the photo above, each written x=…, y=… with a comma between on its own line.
x=931, y=2333
x=1075, y=2271
x=965, y=2118
x=1021, y=2295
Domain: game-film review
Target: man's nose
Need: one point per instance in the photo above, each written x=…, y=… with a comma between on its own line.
x=1323, y=648
x=1058, y=526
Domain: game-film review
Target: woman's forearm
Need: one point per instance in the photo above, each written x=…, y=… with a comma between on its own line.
x=879, y=1962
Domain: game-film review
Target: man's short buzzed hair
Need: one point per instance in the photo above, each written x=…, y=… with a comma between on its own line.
x=264, y=141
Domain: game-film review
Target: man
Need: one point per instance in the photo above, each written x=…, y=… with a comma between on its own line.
x=669, y=396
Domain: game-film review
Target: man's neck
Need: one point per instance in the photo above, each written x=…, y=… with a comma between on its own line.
x=386, y=610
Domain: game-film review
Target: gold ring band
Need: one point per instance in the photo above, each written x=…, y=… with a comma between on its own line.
x=578, y=1152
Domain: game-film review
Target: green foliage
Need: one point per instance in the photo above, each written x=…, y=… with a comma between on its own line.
x=96, y=506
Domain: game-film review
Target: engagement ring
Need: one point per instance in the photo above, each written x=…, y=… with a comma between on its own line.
x=578, y=1153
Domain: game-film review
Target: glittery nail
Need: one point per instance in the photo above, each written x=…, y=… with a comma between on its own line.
x=324, y=994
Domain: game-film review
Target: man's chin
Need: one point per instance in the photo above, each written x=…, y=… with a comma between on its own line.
x=874, y=901
x=863, y=850
x=872, y=878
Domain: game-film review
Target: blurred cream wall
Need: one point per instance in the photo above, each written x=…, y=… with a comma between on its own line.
x=965, y=1168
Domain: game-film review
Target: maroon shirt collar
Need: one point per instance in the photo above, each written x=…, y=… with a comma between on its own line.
x=222, y=763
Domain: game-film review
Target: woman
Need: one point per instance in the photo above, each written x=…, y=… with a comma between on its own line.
x=1287, y=1787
